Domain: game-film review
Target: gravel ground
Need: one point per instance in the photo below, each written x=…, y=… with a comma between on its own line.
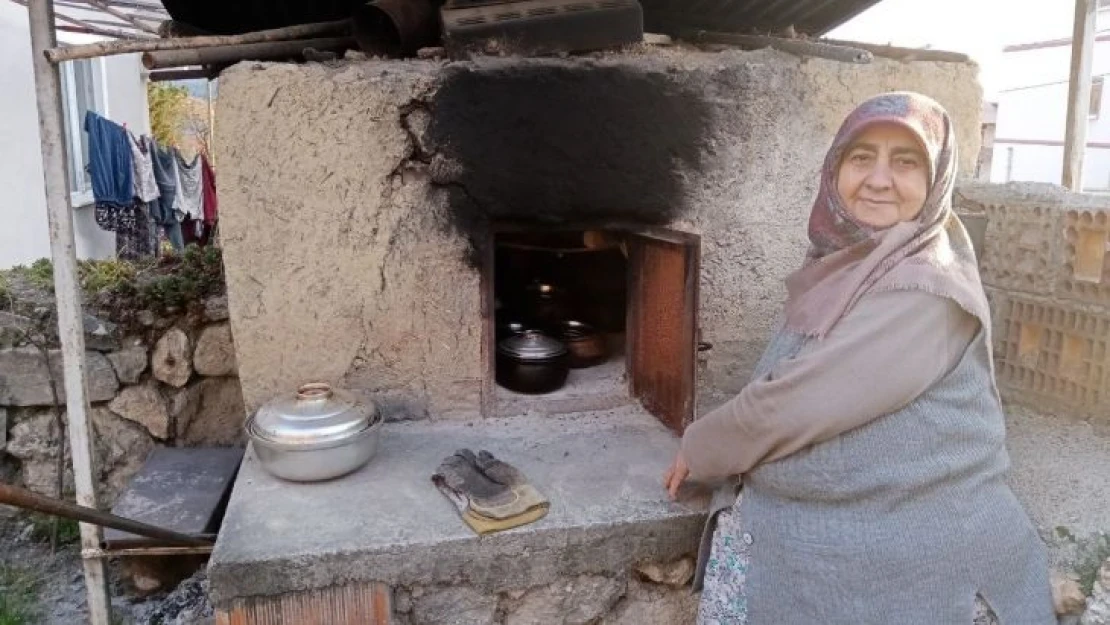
x=60, y=587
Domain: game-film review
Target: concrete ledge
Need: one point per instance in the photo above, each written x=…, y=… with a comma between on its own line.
x=387, y=523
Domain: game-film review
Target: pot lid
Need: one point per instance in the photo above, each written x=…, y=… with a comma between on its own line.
x=316, y=413
x=577, y=330
x=532, y=345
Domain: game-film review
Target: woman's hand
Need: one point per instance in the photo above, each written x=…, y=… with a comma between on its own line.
x=676, y=475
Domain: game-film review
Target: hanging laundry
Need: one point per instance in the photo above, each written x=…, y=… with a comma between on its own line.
x=139, y=238
x=164, y=164
x=109, y=161
x=111, y=173
x=190, y=188
x=211, y=205
x=144, y=186
x=196, y=232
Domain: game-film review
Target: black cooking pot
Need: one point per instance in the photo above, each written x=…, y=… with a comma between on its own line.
x=532, y=363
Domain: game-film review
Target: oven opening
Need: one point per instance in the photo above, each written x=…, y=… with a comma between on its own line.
x=591, y=319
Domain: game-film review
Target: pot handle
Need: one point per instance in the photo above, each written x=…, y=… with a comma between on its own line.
x=314, y=391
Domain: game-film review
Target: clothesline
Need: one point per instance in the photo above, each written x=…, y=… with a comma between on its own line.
x=143, y=189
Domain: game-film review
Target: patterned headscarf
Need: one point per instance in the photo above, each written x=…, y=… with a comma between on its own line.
x=848, y=259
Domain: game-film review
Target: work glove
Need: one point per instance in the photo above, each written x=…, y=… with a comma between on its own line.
x=504, y=473
x=490, y=495
x=460, y=480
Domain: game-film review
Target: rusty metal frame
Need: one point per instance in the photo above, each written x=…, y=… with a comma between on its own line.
x=117, y=19
x=43, y=25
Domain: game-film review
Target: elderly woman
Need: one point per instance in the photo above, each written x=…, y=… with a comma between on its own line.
x=870, y=442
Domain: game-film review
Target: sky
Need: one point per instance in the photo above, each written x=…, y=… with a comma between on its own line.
x=974, y=27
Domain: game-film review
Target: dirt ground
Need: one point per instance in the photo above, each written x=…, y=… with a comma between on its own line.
x=40, y=588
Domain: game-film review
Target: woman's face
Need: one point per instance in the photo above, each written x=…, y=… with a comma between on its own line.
x=883, y=177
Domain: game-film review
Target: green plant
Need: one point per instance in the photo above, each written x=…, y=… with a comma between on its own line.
x=42, y=524
x=18, y=595
x=196, y=274
x=1092, y=553
x=168, y=108
x=5, y=291
x=99, y=276
x=40, y=274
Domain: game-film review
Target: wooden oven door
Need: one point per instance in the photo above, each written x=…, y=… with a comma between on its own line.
x=664, y=268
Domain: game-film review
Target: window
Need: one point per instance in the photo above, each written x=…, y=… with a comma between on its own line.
x=82, y=90
x=1096, y=97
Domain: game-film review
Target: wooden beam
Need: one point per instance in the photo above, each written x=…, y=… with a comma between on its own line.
x=845, y=54
x=225, y=55
x=108, y=48
x=905, y=55
x=180, y=74
x=1079, y=92
x=67, y=294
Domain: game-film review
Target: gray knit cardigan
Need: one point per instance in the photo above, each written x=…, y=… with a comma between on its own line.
x=899, y=522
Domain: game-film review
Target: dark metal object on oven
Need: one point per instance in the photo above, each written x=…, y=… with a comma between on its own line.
x=395, y=27
x=543, y=26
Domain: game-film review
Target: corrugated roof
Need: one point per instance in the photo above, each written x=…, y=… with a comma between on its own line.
x=812, y=17
x=141, y=18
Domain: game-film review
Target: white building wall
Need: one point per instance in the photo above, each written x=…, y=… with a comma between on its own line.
x=1032, y=106
x=23, y=225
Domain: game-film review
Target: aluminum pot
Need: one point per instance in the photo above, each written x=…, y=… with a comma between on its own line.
x=317, y=433
x=585, y=345
x=532, y=363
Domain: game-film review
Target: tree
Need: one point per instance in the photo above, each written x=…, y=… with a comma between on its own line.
x=168, y=108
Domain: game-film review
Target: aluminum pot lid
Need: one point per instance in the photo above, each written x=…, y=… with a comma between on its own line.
x=316, y=413
x=532, y=345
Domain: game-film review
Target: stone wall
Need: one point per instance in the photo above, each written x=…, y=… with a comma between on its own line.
x=355, y=196
x=170, y=381
x=649, y=594
x=652, y=595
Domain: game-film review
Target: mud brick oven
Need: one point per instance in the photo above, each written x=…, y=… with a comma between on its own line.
x=377, y=213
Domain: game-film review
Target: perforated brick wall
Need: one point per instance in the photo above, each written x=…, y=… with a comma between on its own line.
x=1023, y=247
x=1051, y=355
x=1085, y=272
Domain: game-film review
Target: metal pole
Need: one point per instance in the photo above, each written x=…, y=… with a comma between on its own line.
x=63, y=252
x=1079, y=93
x=22, y=498
x=211, y=124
